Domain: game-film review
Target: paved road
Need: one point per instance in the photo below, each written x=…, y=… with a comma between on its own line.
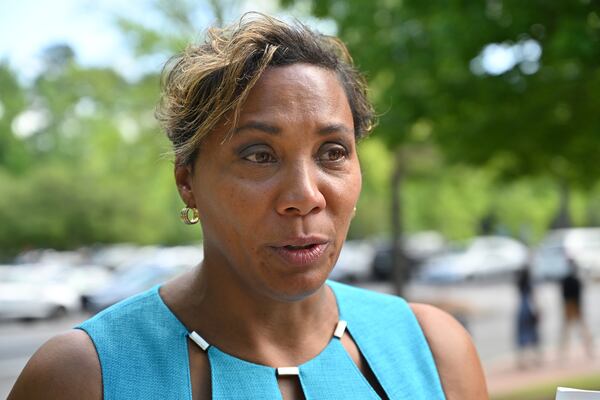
x=491, y=312
x=488, y=309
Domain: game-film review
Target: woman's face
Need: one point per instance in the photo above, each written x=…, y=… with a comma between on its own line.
x=276, y=199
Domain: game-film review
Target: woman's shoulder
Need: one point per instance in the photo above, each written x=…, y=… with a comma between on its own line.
x=454, y=353
x=365, y=297
x=65, y=367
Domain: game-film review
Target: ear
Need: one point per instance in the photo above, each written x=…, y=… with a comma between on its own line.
x=183, y=180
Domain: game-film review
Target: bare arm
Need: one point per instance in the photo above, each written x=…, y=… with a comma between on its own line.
x=65, y=367
x=454, y=353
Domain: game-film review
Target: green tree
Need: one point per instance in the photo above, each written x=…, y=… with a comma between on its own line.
x=81, y=155
x=13, y=153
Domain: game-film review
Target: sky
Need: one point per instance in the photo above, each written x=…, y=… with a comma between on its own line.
x=28, y=26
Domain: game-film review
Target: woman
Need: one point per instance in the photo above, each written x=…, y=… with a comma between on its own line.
x=572, y=295
x=264, y=119
x=527, y=319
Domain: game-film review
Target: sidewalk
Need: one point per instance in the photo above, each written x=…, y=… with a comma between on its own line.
x=504, y=376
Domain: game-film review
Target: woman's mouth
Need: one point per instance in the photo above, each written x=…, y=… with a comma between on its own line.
x=301, y=254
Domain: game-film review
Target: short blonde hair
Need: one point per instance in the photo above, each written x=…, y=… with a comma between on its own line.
x=209, y=82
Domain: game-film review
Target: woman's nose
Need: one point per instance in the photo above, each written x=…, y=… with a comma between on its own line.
x=300, y=192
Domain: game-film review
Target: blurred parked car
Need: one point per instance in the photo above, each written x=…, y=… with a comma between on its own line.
x=580, y=244
x=84, y=279
x=121, y=255
x=127, y=283
x=485, y=257
x=164, y=264
x=26, y=293
x=52, y=257
x=354, y=262
x=417, y=248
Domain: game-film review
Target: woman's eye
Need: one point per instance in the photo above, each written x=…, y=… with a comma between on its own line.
x=260, y=157
x=334, y=153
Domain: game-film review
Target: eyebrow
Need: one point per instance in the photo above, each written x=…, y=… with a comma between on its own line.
x=274, y=130
x=335, y=128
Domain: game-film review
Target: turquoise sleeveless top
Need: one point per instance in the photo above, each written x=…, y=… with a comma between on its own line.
x=143, y=353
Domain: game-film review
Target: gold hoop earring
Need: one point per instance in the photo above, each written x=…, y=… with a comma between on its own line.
x=354, y=212
x=185, y=215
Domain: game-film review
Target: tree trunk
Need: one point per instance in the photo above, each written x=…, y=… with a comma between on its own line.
x=592, y=212
x=399, y=264
x=562, y=219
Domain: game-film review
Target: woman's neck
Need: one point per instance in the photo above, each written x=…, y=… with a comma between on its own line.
x=248, y=324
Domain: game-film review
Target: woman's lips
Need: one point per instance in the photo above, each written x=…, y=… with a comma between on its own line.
x=301, y=255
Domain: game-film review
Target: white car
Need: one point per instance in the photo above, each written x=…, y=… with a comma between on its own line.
x=117, y=256
x=162, y=265
x=580, y=244
x=484, y=257
x=26, y=294
x=84, y=279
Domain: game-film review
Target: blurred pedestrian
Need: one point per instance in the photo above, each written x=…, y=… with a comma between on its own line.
x=527, y=321
x=572, y=293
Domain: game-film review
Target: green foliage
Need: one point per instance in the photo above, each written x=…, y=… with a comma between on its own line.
x=13, y=154
x=373, y=205
x=93, y=171
x=418, y=56
x=61, y=207
x=454, y=200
